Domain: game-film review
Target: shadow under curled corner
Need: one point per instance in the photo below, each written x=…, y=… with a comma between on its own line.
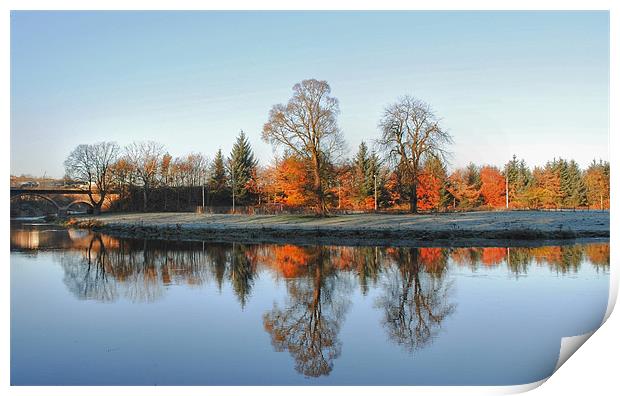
x=570, y=345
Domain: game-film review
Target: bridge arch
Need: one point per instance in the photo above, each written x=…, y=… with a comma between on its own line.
x=32, y=194
x=89, y=204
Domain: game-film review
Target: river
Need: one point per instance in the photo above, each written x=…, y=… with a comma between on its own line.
x=90, y=309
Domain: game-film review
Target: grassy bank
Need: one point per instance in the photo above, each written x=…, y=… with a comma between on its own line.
x=479, y=228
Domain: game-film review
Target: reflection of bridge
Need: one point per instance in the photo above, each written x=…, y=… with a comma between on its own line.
x=44, y=193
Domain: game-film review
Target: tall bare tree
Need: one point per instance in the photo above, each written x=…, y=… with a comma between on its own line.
x=92, y=165
x=411, y=134
x=307, y=126
x=145, y=158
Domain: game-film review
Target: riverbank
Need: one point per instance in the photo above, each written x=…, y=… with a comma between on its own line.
x=453, y=229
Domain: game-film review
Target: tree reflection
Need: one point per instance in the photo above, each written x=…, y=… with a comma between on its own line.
x=242, y=271
x=308, y=325
x=86, y=277
x=598, y=255
x=368, y=266
x=415, y=300
x=412, y=284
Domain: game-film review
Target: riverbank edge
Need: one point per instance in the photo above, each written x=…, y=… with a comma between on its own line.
x=521, y=236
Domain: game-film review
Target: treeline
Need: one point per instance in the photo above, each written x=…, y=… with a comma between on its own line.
x=407, y=170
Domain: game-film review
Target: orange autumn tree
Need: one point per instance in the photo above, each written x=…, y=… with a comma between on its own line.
x=596, y=179
x=343, y=190
x=463, y=186
x=493, y=188
x=545, y=188
x=393, y=188
x=294, y=182
x=430, y=182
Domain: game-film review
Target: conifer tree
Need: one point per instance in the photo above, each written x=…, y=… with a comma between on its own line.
x=365, y=168
x=519, y=181
x=242, y=169
x=360, y=173
x=218, y=181
x=374, y=169
x=576, y=188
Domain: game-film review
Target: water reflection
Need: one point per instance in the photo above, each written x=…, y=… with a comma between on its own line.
x=416, y=296
x=103, y=268
x=560, y=259
x=308, y=325
x=414, y=285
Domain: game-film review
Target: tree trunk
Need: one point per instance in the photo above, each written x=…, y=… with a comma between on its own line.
x=97, y=205
x=144, y=199
x=413, y=199
x=318, y=187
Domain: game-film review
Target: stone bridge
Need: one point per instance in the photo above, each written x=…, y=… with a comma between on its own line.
x=44, y=193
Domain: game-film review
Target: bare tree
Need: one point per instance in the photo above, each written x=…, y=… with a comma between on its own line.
x=145, y=158
x=410, y=134
x=307, y=126
x=92, y=165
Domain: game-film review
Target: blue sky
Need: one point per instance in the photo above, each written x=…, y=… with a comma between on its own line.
x=535, y=84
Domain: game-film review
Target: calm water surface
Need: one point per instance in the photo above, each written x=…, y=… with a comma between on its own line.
x=92, y=309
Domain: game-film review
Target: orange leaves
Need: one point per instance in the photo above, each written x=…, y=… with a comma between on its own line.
x=290, y=260
x=493, y=255
x=392, y=186
x=433, y=259
x=293, y=182
x=596, y=179
x=461, y=189
x=546, y=191
x=493, y=188
x=598, y=253
x=428, y=191
x=369, y=203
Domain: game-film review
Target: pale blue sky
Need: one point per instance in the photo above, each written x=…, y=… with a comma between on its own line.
x=531, y=83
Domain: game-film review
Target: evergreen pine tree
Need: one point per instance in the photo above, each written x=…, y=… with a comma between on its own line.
x=241, y=169
x=363, y=187
x=218, y=181
x=566, y=185
x=374, y=169
x=576, y=187
x=519, y=180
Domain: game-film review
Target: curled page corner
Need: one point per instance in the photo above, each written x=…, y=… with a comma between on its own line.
x=613, y=296
x=514, y=389
x=569, y=345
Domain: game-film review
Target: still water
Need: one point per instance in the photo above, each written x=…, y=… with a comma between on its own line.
x=94, y=310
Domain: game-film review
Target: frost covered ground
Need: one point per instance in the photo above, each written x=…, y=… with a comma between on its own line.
x=360, y=228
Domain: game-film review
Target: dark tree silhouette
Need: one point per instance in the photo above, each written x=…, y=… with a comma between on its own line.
x=242, y=273
x=92, y=165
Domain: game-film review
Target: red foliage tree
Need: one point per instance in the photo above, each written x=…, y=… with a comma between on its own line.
x=294, y=182
x=429, y=187
x=493, y=188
